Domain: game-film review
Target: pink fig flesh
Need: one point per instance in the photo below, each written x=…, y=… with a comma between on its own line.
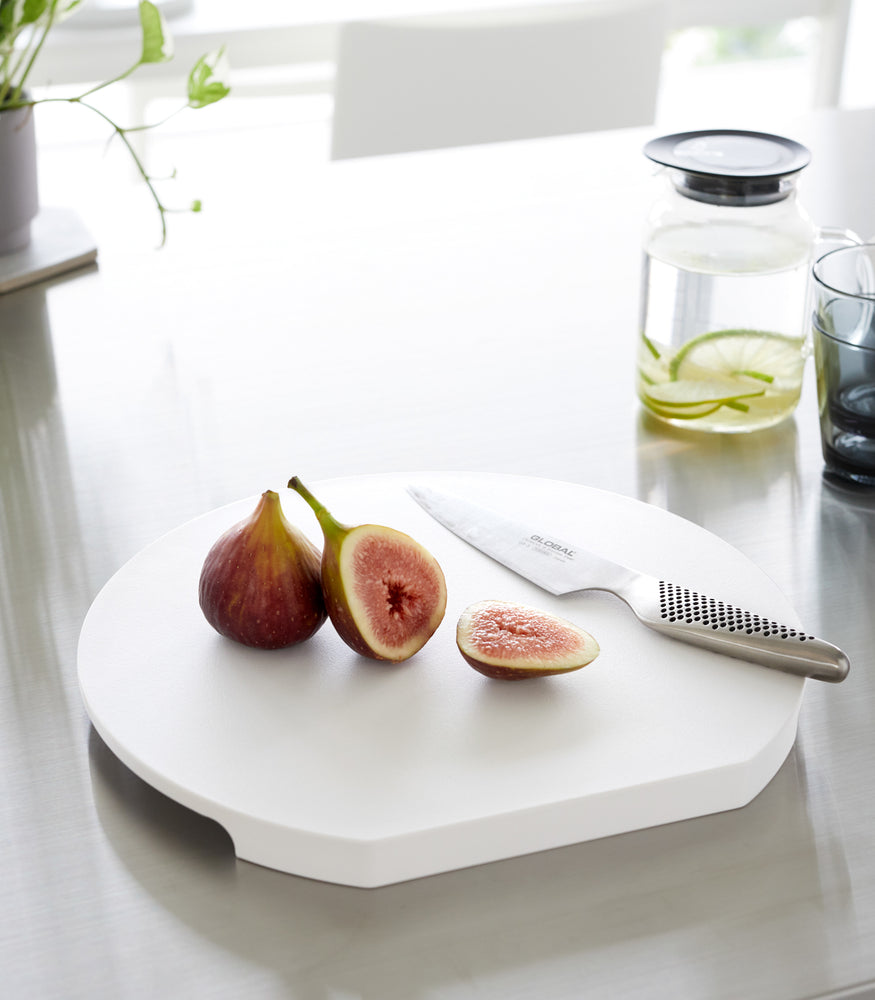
x=260, y=583
x=510, y=641
x=385, y=593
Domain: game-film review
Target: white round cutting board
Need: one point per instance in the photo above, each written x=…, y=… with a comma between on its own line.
x=323, y=763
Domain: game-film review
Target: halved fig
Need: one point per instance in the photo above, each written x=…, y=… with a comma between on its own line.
x=385, y=593
x=511, y=642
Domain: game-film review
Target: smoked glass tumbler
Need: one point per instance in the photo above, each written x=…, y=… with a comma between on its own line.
x=843, y=323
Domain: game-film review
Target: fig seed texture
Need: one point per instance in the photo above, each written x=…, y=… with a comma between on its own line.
x=510, y=641
x=385, y=593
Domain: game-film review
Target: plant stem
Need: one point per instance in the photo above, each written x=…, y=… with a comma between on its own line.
x=46, y=27
x=158, y=124
x=122, y=133
x=108, y=83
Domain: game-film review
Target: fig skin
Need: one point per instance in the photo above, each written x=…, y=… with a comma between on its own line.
x=406, y=590
x=512, y=642
x=260, y=582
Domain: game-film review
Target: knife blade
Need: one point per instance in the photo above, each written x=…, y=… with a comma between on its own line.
x=561, y=567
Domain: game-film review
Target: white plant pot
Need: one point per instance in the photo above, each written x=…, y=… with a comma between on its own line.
x=19, y=198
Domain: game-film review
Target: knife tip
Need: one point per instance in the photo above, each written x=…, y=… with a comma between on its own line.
x=419, y=493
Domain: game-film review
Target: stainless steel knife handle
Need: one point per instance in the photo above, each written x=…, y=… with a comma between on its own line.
x=704, y=621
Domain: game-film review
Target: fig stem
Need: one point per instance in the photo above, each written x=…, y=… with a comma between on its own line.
x=329, y=524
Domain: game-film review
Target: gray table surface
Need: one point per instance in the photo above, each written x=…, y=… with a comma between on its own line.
x=462, y=310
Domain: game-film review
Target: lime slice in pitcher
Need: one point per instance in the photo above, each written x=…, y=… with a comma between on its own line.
x=697, y=397
x=678, y=413
x=746, y=357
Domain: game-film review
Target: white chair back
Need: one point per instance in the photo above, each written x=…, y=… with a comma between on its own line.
x=422, y=83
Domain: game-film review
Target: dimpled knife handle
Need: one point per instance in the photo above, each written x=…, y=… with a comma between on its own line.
x=723, y=628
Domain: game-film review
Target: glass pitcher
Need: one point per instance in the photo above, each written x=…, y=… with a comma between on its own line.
x=727, y=252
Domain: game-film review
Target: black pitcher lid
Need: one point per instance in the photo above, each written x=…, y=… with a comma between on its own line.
x=729, y=166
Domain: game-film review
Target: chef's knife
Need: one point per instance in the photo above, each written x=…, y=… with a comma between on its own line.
x=561, y=567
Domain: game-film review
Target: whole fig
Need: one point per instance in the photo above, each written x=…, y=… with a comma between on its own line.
x=260, y=582
x=385, y=593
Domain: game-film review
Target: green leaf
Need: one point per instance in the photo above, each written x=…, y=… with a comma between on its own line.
x=33, y=10
x=157, y=43
x=207, y=80
x=11, y=15
x=62, y=12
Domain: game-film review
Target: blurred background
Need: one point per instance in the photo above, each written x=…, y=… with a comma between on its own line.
x=751, y=76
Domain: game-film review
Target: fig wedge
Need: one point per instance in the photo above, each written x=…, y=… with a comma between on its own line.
x=385, y=593
x=260, y=582
x=513, y=642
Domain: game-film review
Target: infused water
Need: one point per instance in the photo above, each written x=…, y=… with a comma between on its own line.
x=721, y=345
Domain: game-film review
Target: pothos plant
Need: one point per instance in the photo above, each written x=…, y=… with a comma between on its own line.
x=24, y=27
